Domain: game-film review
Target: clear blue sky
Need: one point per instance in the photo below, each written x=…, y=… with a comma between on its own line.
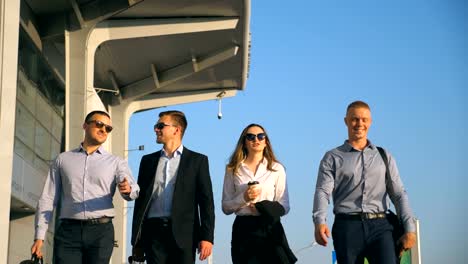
x=309, y=60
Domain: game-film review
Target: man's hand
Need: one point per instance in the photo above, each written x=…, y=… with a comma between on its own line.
x=36, y=248
x=204, y=249
x=406, y=241
x=124, y=187
x=138, y=254
x=322, y=233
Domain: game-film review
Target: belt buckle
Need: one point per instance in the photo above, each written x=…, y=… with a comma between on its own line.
x=164, y=221
x=371, y=216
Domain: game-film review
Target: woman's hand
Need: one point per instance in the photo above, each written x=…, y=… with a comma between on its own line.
x=252, y=193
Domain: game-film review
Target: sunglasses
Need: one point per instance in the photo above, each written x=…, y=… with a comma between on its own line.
x=160, y=126
x=251, y=137
x=100, y=124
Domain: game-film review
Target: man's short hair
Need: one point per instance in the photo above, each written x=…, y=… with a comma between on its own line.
x=357, y=104
x=96, y=112
x=178, y=117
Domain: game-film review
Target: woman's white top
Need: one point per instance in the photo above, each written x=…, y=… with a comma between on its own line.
x=272, y=183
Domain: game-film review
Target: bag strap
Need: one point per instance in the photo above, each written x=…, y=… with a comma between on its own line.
x=36, y=260
x=388, y=180
x=387, y=171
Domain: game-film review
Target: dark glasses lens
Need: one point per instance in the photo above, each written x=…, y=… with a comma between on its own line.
x=251, y=137
x=100, y=124
x=160, y=126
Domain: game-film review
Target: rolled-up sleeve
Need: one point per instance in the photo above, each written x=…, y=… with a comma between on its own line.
x=123, y=171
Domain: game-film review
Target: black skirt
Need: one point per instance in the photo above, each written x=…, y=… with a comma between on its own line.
x=257, y=241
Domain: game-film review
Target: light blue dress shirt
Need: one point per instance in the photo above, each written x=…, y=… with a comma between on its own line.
x=85, y=184
x=356, y=180
x=164, y=183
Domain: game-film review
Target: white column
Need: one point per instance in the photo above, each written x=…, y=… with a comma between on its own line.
x=80, y=96
x=117, y=144
x=9, y=34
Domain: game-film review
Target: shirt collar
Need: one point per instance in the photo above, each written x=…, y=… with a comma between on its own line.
x=177, y=152
x=99, y=150
x=348, y=148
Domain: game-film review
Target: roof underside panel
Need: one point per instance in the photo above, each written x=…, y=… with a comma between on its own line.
x=181, y=45
x=168, y=62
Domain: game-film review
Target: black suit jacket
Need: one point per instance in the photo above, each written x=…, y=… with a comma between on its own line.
x=192, y=216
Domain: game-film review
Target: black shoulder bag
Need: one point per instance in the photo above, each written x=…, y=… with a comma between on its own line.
x=398, y=229
x=34, y=260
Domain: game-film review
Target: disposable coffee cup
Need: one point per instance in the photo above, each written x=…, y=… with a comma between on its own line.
x=254, y=185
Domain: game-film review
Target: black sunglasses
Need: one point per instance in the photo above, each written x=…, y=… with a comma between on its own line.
x=160, y=126
x=251, y=137
x=100, y=124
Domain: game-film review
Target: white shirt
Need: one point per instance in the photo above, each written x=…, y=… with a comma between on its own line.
x=272, y=184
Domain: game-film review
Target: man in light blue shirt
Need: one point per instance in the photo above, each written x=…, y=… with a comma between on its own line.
x=354, y=174
x=84, y=180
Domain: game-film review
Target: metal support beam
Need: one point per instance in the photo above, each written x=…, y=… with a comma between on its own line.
x=194, y=63
x=155, y=76
x=76, y=9
x=167, y=99
x=145, y=86
x=114, y=83
x=138, y=28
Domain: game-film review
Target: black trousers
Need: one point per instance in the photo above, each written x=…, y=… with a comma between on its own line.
x=160, y=246
x=251, y=243
x=76, y=243
x=355, y=239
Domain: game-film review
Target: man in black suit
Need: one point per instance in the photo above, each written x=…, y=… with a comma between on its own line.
x=174, y=214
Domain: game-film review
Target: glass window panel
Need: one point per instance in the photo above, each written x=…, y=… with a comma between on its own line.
x=54, y=149
x=24, y=152
x=40, y=108
x=26, y=92
x=41, y=164
x=43, y=112
x=24, y=126
x=57, y=126
x=42, y=146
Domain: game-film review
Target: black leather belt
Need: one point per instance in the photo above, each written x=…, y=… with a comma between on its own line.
x=159, y=221
x=94, y=221
x=361, y=216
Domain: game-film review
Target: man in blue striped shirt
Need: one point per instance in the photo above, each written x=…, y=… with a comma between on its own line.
x=354, y=174
x=84, y=180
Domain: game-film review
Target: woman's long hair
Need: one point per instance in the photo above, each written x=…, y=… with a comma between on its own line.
x=240, y=152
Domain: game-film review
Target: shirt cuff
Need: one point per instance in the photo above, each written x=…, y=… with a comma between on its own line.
x=410, y=225
x=319, y=220
x=40, y=233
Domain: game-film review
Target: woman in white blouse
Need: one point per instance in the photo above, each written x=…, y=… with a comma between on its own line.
x=255, y=190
